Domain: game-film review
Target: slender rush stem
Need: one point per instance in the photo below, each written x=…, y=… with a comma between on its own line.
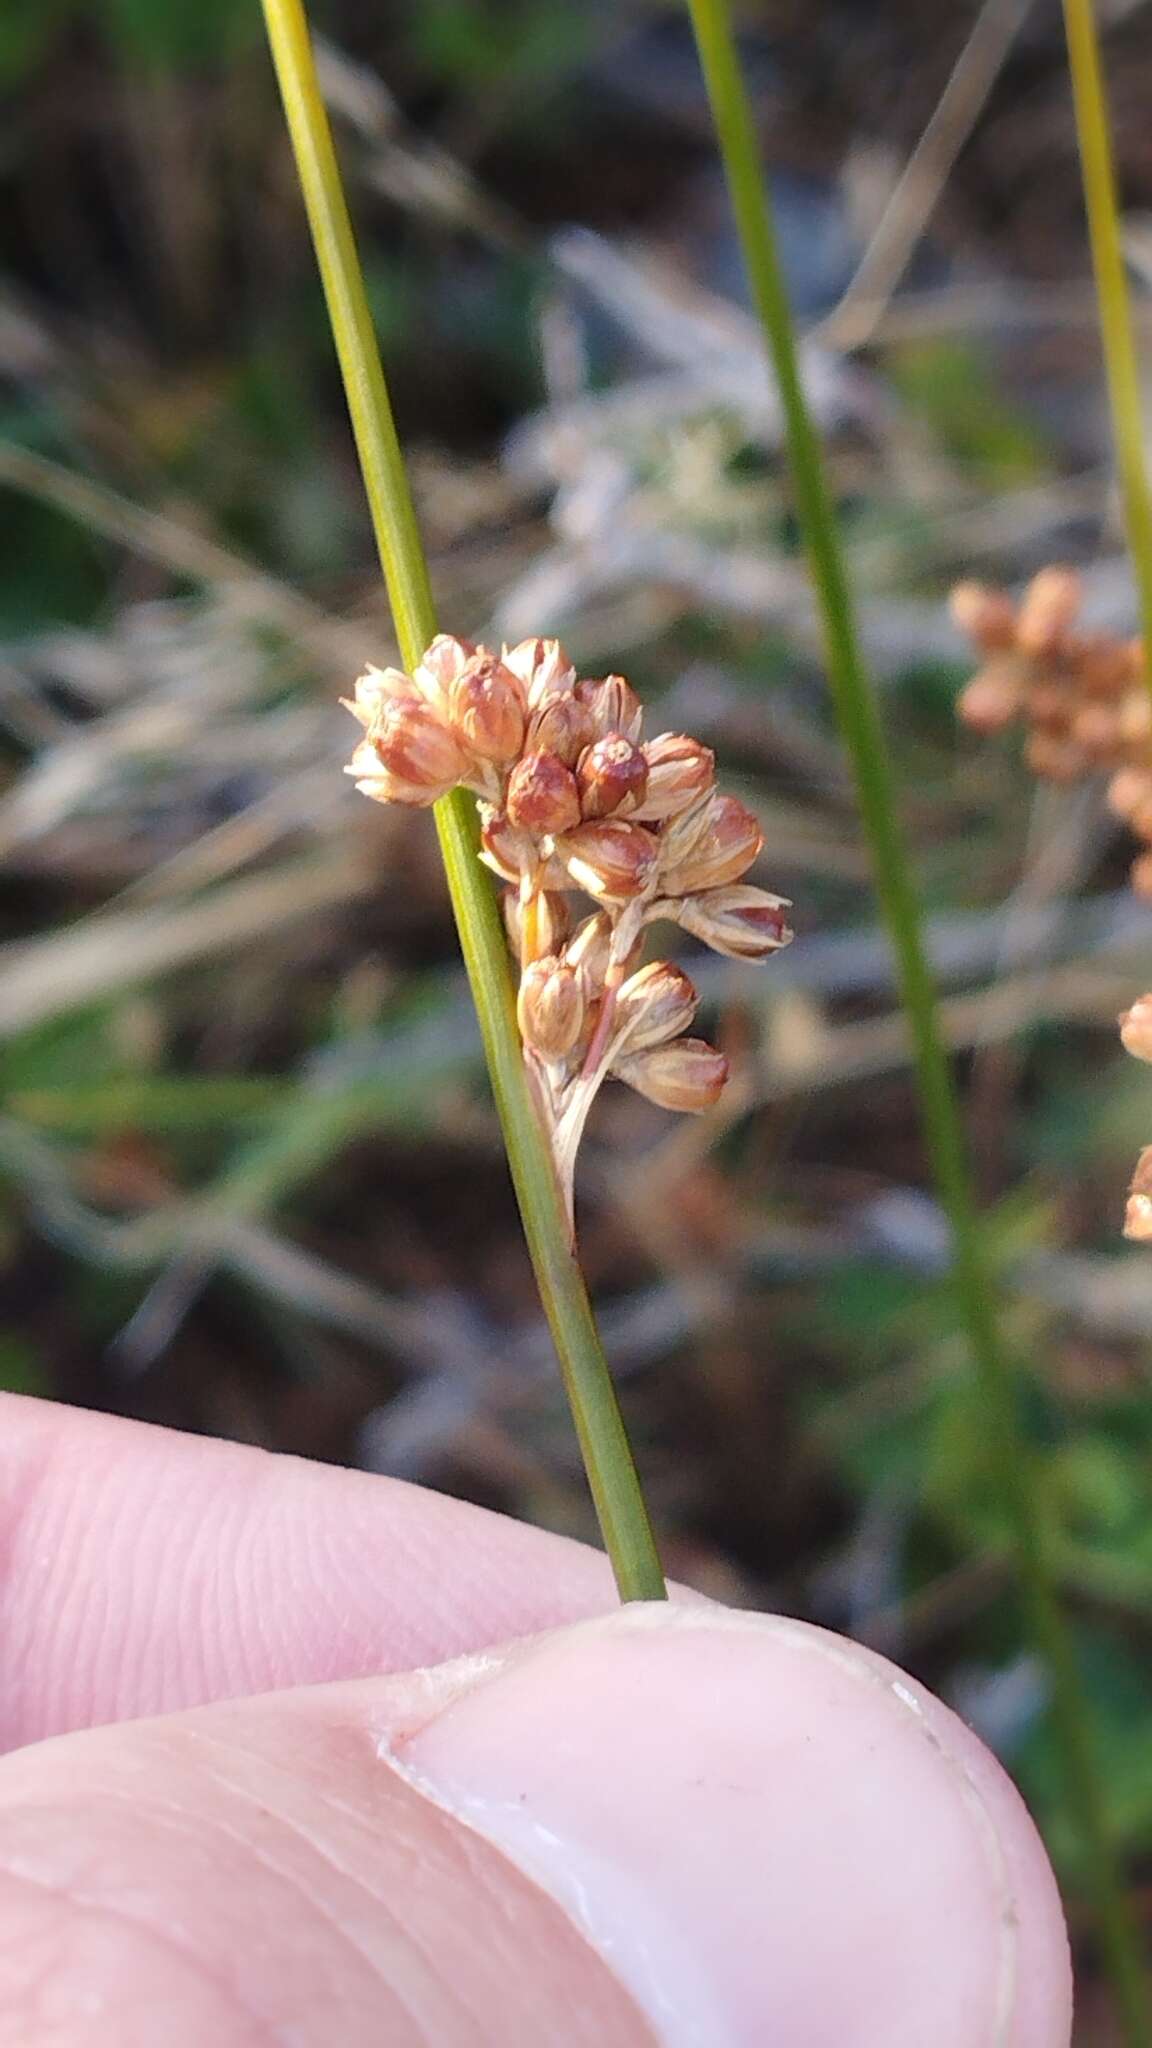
x=876, y=790
x=603, y=1442
x=1098, y=172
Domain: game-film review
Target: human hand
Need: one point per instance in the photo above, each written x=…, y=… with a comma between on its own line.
x=676, y=1825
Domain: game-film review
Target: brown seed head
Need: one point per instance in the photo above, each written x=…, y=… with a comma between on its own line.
x=414, y=745
x=542, y=795
x=680, y=771
x=609, y=857
x=553, y=921
x=728, y=844
x=543, y=668
x=687, y=1075
x=1136, y=1029
x=487, y=708
x=612, y=777
x=612, y=706
x=550, y=1006
x=653, y=1006
x=741, y=922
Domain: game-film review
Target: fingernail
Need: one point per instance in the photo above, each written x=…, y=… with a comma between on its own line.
x=769, y=1834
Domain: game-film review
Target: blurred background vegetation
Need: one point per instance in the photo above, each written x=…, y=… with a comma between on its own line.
x=250, y=1180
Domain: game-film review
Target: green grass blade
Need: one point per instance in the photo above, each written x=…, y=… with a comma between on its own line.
x=864, y=738
x=603, y=1442
x=1093, y=129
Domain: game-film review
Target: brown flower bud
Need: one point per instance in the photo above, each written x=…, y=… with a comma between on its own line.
x=612, y=706
x=612, y=776
x=727, y=846
x=992, y=699
x=543, y=668
x=542, y=795
x=1138, y=1219
x=609, y=857
x=653, y=1006
x=440, y=664
x=553, y=921
x=550, y=1006
x=680, y=771
x=372, y=691
x=486, y=704
x=741, y=922
x=560, y=727
x=413, y=744
x=987, y=616
x=1048, y=608
x=590, y=947
x=506, y=851
x=686, y=1075
x=1136, y=1029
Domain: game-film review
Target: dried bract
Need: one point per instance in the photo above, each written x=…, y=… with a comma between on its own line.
x=742, y=922
x=687, y=1075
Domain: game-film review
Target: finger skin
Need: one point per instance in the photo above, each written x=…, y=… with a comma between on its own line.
x=251, y=1875
x=142, y=1571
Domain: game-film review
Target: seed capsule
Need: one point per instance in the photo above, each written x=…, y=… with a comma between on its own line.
x=544, y=669
x=560, y=727
x=653, y=1006
x=609, y=857
x=542, y=795
x=687, y=1075
x=680, y=771
x=378, y=783
x=728, y=844
x=553, y=921
x=550, y=1007
x=739, y=921
x=486, y=703
x=612, y=706
x=413, y=745
x=612, y=776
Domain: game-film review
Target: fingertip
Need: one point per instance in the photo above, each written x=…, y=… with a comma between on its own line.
x=769, y=1833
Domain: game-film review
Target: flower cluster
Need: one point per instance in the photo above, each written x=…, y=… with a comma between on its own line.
x=1084, y=696
x=573, y=801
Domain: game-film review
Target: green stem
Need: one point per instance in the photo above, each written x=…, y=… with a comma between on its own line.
x=1116, y=329
x=603, y=1442
x=876, y=790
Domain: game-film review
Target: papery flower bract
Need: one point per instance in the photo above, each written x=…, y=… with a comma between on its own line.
x=611, y=705
x=543, y=668
x=553, y=920
x=609, y=857
x=652, y=1006
x=487, y=708
x=688, y=1075
x=558, y=726
x=551, y=1006
x=680, y=772
x=439, y=665
x=375, y=781
x=612, y=777
x=727, y=845
x=740, y=921
x=373, y=689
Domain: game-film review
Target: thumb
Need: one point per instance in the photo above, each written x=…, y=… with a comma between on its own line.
x=683, y=1826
